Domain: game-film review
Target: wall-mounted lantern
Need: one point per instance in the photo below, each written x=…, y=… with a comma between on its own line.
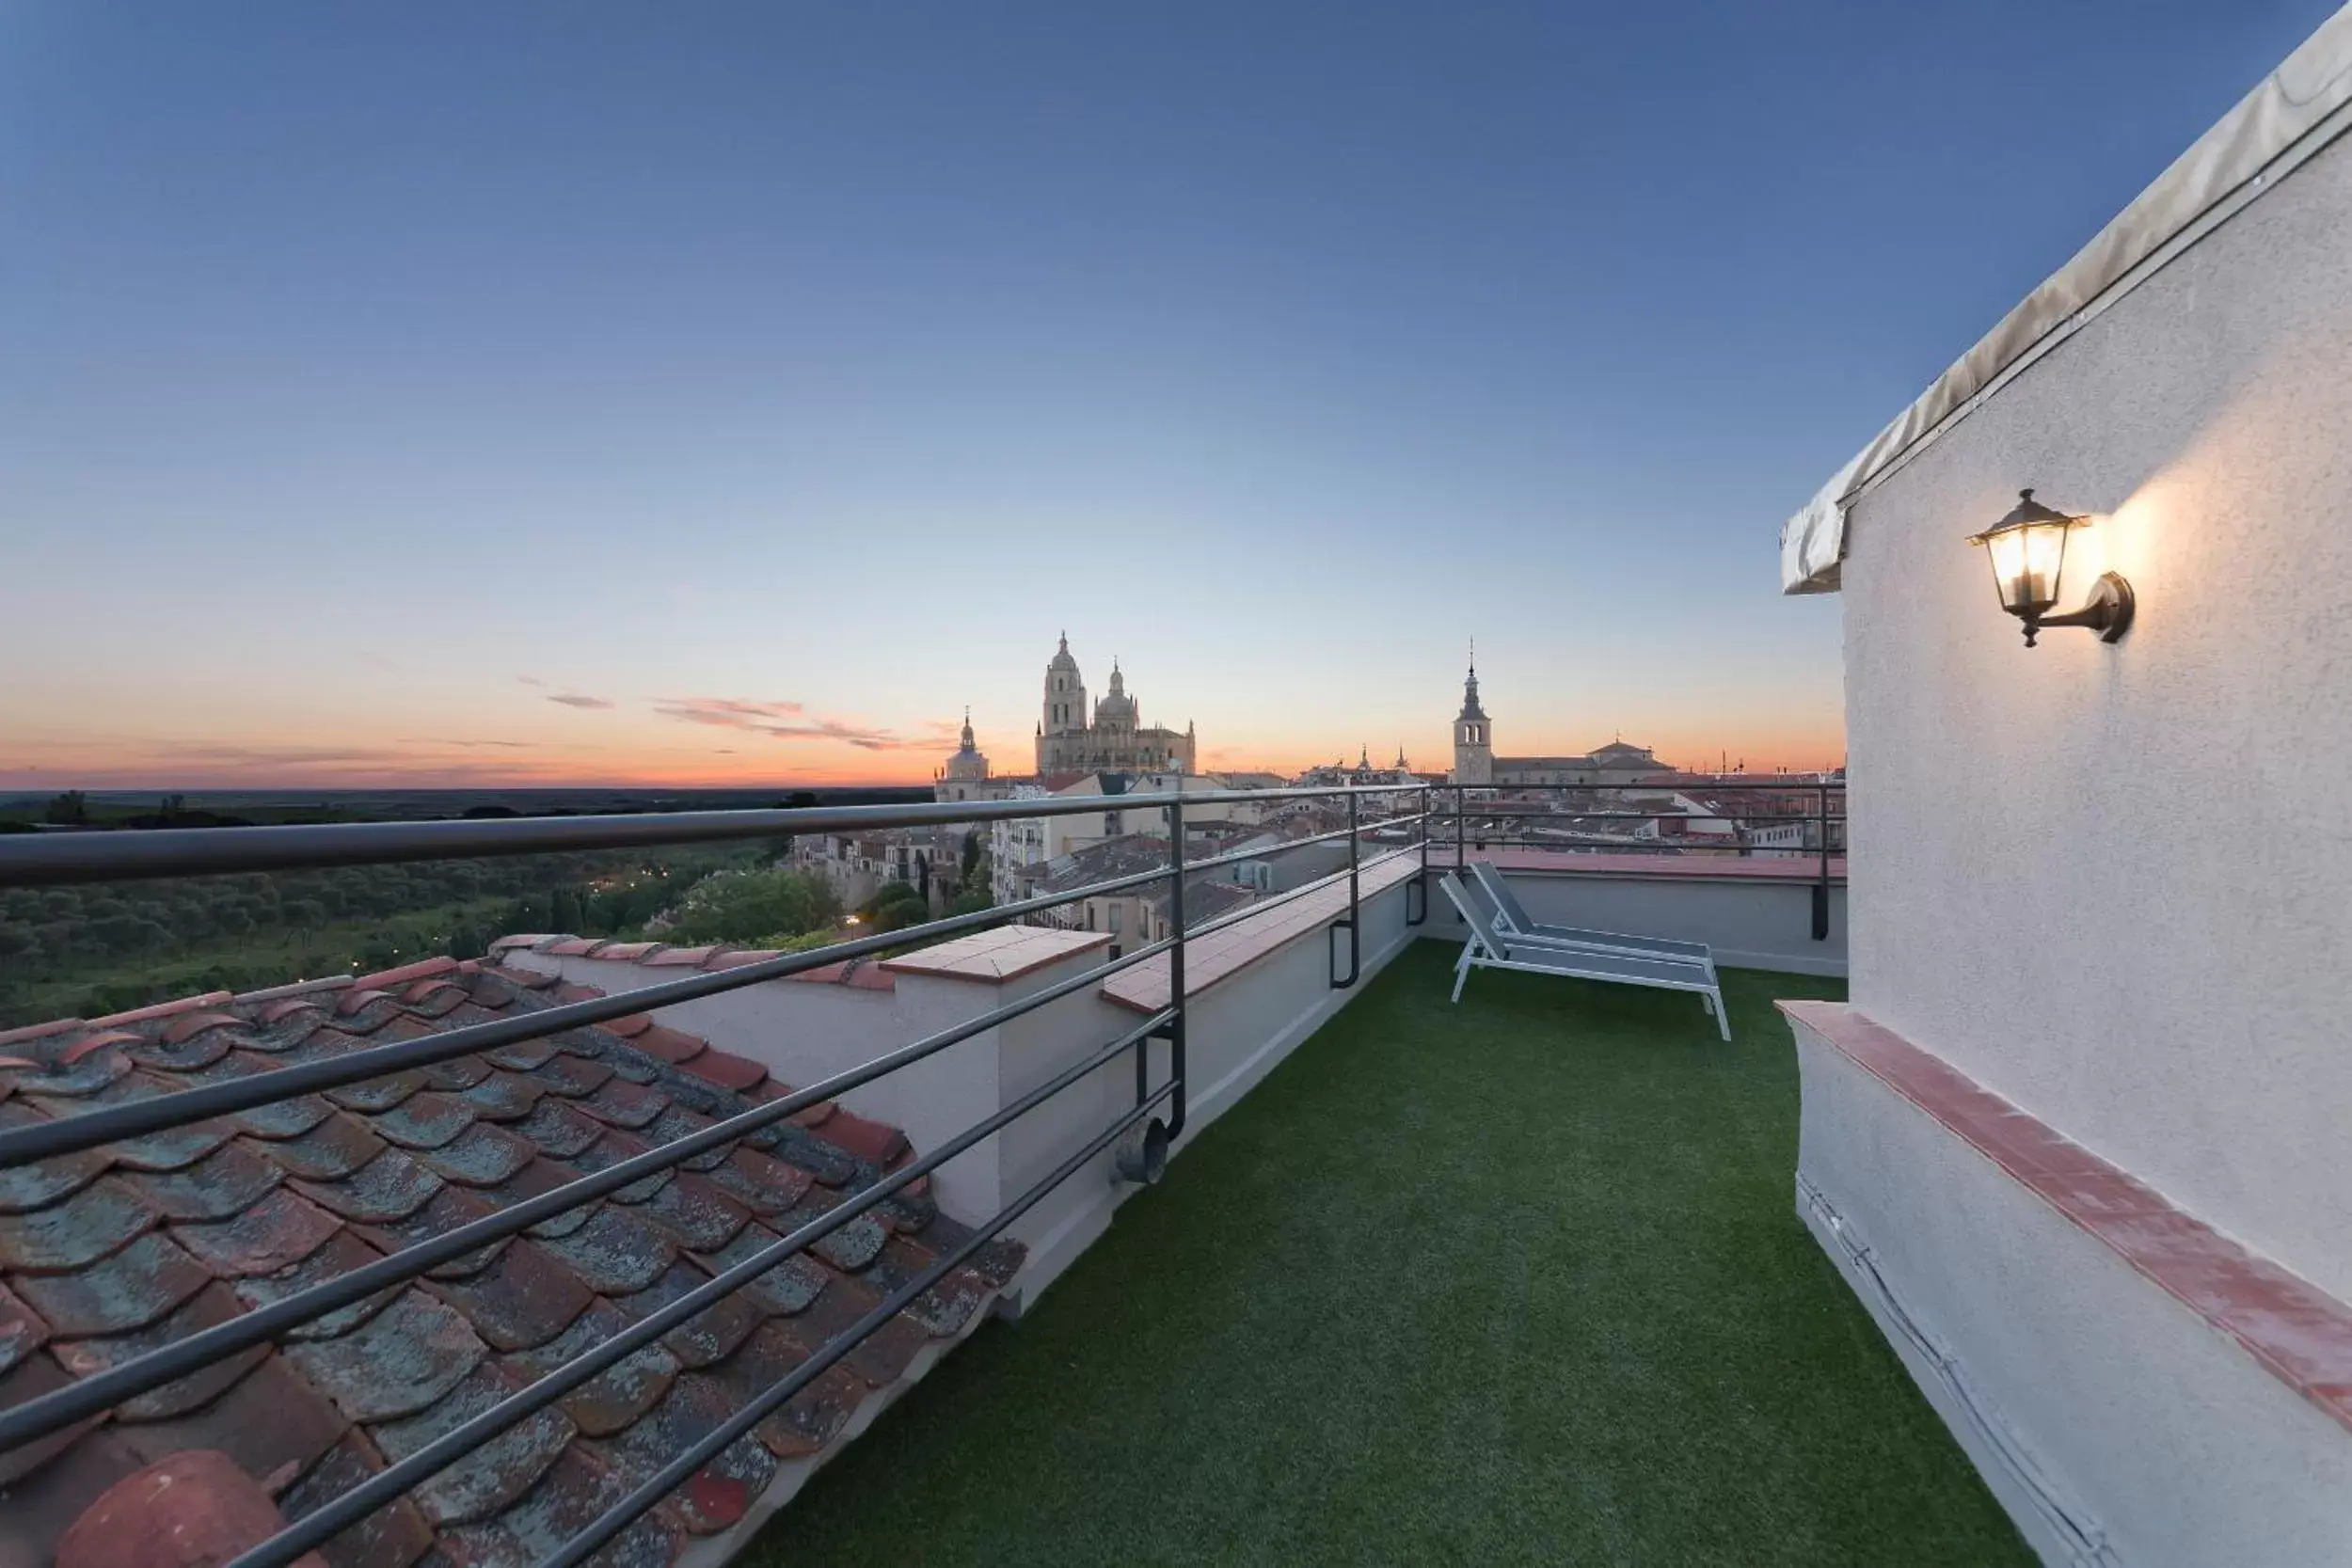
x=2027, y=549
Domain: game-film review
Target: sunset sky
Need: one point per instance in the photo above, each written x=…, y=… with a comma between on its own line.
x=446, y=393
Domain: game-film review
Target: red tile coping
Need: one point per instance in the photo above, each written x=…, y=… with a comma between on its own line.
x=856, y=973
x=994, y=957
x=163, y=1009
x=1229, y=949
x=1751, y=868
x=2299, y=1332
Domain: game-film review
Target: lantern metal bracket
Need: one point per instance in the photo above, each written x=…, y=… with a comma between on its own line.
x=2108, y=612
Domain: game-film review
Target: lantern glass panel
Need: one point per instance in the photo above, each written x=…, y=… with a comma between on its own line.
x=2026, y=561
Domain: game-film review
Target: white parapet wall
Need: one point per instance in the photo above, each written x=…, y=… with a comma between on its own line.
x=2118, y=1422
x=1258, y=987
x=1755, y=914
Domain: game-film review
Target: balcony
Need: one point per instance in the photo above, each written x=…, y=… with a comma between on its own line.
x=1515, y=1276
x=1514, y=1279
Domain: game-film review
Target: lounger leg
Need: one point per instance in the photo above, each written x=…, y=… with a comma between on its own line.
x=1723, y=1020
x=1461, y=973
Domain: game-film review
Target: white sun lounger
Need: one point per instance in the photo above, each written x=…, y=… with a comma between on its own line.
x=1510, y=919
x=1489, y=949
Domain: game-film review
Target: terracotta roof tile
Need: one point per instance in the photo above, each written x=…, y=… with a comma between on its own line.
x=392, y=1537
x=734, y=957
x=524, y=1299
x=391, y=980
x=220, y=1186
x=396, y=1363
x=110, y=1252
x=276, y=1232
x=726, y=1069
x=614, y=1397
x=495, y=1476
x=163, y=1009
x=193, y=1509
x=75, y=1231
x=867, y=1139
x=42, y=1031
x=693, y=1408
x=209, y=1308
x=810, y=1419
x=338, y=1255
x=482, y=1156
x=520, y=938
x=130, y=1289
x=683, y=957
x=567, y=1500
x=670, y=1045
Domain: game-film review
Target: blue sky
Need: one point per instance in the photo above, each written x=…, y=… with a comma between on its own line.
x=370, y=376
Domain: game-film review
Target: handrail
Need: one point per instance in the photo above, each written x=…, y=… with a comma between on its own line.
x=49, y=860
x=104, y=856
x=1830, y=828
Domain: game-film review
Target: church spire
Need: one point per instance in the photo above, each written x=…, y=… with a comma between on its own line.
x=1469, y=689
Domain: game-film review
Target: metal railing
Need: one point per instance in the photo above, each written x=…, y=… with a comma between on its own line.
x=1482, y=820
x=182, y=852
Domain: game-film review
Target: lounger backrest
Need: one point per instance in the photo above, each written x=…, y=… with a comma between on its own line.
x=1490, y=882
x=1473, y=911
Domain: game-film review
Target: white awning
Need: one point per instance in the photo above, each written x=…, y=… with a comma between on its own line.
x=2298, y=108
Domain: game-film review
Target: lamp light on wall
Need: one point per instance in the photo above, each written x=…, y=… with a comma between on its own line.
x=2027, y=549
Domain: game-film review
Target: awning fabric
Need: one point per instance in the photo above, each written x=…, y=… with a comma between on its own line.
x=2298, y=108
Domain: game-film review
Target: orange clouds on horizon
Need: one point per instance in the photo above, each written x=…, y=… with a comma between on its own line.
x=782, y=752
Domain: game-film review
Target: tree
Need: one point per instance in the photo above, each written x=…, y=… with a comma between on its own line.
x=754, y=906
x=465, y=943
x=71, y=809
x=971, y=855
x=895, y=906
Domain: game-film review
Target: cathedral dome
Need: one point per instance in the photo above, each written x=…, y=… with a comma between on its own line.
x=969, y=763
x=1062, y=660
x=1118, y=707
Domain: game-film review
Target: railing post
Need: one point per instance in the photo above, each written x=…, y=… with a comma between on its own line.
x=1820, y=886
x=1421, y=881
x=1176, y=1002
x=1353, y=922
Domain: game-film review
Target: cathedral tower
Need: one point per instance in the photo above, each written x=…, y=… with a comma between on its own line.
x=1474, y=739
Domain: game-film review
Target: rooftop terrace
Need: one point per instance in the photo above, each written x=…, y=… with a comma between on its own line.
x=1515, y=1279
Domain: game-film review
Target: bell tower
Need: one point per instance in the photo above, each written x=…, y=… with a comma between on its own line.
x=1064, y=711
x=1473, y=738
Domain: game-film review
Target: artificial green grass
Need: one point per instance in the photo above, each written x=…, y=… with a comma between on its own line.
x=1516, y=1281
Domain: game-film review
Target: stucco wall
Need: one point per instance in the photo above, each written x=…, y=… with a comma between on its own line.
x=2155, y=1436
x=2114, y=884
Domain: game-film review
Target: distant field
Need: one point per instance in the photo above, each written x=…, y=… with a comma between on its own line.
x=105, y=808
x=90, y=949
x=265, y=957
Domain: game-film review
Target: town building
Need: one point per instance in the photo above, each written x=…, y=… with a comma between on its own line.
x=1475, y=763
x=1115, y=737
x=966, y=775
